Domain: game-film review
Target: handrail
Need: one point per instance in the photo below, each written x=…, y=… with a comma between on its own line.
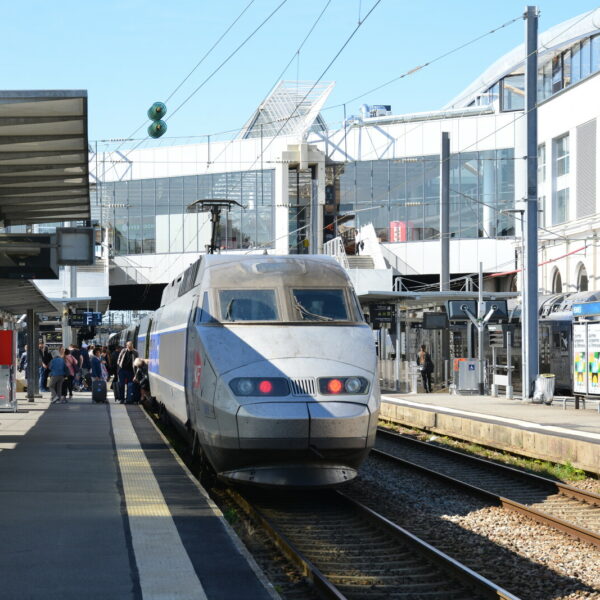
x=336, y=249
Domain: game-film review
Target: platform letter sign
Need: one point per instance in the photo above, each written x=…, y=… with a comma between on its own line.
x=593, y=357
x=580, y=366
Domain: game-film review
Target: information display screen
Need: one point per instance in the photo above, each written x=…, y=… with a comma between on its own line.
x=580, y=366
x=593, y=358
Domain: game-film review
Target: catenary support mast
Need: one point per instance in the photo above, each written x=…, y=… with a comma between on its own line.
x=530, y=293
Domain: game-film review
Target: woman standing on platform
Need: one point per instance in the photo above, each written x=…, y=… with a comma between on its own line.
x=425, y=366
x=58, y=371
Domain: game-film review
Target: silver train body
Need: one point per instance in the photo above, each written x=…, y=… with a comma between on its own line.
x=269, y=365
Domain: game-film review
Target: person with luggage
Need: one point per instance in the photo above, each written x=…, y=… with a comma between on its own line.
x=125, y=365
x=98, y=381
x=58, y=371
x=425, y=366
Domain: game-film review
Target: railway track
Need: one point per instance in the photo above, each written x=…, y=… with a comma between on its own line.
x=350, y=552
x=564, y=507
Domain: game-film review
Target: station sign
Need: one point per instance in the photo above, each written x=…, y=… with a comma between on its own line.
x=382, y=314
x=586, y=309
x=85, y=319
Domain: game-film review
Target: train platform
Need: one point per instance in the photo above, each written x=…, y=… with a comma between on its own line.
x=94, y=504
x=555, y=433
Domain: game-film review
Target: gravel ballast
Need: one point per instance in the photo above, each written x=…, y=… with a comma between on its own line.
x=531, y=560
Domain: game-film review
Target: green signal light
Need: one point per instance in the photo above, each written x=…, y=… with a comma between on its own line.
x=157, y=128
x=157, y=111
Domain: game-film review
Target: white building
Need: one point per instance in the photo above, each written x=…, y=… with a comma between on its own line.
x=295, y=177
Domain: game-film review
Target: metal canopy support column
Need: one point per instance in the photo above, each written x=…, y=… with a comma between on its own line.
x=530, y=301
x=445, y=233
x=31, y=351
x=445, y=212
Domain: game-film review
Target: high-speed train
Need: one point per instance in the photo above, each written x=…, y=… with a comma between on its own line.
x=267, y=362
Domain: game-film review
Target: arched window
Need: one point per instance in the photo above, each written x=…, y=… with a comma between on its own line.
x=556, y=282
x=582, y=279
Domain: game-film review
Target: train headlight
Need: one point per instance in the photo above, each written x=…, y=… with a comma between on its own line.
x=343, y=385
x=353, y=385
x=243, y=387
x=259, y=386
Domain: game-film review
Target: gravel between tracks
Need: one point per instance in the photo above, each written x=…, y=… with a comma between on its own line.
x=531, y=560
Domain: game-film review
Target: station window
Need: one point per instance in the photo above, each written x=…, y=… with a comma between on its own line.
x=513, y=92
x=541, y=163
x=561, y=155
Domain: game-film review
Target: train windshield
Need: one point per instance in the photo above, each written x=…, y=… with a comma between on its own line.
x=248, y=305
x=320, y=305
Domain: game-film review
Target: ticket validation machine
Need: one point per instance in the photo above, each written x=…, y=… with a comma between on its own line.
x=8, y=354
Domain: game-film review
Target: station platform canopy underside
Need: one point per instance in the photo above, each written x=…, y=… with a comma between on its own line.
x=43, y=157
x=17, y=296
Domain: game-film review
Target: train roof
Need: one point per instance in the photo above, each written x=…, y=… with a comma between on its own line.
x=230, y=270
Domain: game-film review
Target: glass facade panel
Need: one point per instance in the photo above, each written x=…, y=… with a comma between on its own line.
x=149, y=215
x=566, y=68
x=595, y=42
x=481, y=185
x=556, y=74
x=561, y=205
x=575, y=63
x=586, y=56
x=513, y=92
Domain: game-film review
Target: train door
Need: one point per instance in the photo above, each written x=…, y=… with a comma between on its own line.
x=545, y=348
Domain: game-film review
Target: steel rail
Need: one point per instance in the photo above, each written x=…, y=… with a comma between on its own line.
x=467, y=577
x=572, y=529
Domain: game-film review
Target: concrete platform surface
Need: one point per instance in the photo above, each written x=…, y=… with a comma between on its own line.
x=536, y=430
x=95, y=505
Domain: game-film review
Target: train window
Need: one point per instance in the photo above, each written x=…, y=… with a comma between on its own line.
x=248, y=305
x=203, y=314
x=320, y=305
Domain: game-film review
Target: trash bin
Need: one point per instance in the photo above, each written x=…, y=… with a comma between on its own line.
x=544, y=388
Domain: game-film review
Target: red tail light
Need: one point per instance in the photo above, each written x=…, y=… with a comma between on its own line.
x=265, y=387
x=334, y=386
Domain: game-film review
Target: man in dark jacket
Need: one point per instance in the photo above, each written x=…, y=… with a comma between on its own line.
x=125, y=366
x=44, y=369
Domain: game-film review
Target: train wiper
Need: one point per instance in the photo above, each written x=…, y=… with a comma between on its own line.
x=306, y=314
x=228, y=316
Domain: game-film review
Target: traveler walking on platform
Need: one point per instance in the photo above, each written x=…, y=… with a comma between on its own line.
x=425, y=366
x=125, y=364
x=23, y=360
x=58, y=371
x=70, y=362
x=140, y=378
x=45, y=358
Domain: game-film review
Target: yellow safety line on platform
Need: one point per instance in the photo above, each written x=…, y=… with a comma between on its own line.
x=164, y=567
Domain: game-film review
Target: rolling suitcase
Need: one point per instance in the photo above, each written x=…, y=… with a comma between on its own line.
x=133, y=393
x=98, y=390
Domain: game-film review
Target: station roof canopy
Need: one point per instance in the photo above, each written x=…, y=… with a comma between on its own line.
x=17, y=296
x=43, y=157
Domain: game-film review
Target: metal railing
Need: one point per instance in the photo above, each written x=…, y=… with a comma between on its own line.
x=335, y=248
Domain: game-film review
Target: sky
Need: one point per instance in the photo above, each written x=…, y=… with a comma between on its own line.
x=129, y=53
